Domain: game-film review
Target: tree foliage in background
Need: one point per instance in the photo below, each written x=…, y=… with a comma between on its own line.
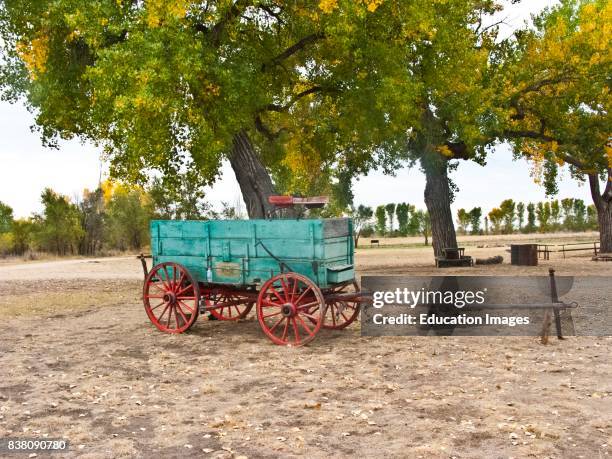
x=496, y=217
x=463, y=220
x=423, y=224
x=182, y=201
x=362, y=218
x=554, y=100
x=6, y=218
x=92, y=212
x=128, y=212
x=508, y=208
x=520, y=215
x=114, y=217
x=390, y=209
x=531, y=218
x=402, y=212
x=381, y=220
x=58, y=229
x=475, y=214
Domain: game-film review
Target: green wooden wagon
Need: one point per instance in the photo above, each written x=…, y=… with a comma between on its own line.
x=298, y=272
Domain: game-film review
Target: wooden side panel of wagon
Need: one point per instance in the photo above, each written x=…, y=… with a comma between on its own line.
x=248, y=252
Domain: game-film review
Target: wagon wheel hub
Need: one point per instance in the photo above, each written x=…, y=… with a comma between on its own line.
x=170, y=297
x=288, y=309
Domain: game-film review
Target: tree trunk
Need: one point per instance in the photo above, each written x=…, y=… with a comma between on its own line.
x=603, y=204
x=253, y=178
x=438, y=202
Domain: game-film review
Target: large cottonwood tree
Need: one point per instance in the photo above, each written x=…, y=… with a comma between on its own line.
x=162, y=85
x=409, y=82
x=554, y=99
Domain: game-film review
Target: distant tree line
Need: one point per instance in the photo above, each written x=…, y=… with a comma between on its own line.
x=114, y=217
x=382, y=220
x=568, y=214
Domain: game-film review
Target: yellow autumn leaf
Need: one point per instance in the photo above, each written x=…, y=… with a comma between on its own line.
x=608, y=150
x=444, y=150
x=34, y=55
x=327, y=6
x=373, y=5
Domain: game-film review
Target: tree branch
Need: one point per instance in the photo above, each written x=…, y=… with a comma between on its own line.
x=263, y=129
x=595, y=191
x=301, y=44
x=215, y=31
x=607, y=194
x=293, y=100
x=527, y=134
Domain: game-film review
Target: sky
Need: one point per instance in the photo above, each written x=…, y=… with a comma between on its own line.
x=26, y=167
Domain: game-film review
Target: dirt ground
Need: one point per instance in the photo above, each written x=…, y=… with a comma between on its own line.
x=80, y=361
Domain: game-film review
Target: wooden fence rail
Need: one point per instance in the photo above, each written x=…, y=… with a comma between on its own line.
x=544, y=250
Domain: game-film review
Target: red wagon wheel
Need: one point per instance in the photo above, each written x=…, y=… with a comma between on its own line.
x=290, y=309
x=341, y=313
x=171, y=297
x=228, y=306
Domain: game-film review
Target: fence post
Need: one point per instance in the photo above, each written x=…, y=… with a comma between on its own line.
x=555, y=299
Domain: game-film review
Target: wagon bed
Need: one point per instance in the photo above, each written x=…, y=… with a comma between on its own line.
x=249, y=252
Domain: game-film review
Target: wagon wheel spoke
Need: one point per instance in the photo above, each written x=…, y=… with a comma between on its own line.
x=270, y=304
x=341, y=313
x=311, y=317
x=285, y=330
x=186, y=306
x=163, y=312
x=183, y=290
x=296, y=332
x=167, y=281
x=285, y=289
x=180, y=310
x=308, y=330
x=277, y=324
x=333, y=314
x=157, y=306
x=307, y=305
x=169, y=317
x=229, y=306
x=180, y=281
x=277, y=295
x=156, y=285
x=272, y=315
x=294, y=290
x=303, y=294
